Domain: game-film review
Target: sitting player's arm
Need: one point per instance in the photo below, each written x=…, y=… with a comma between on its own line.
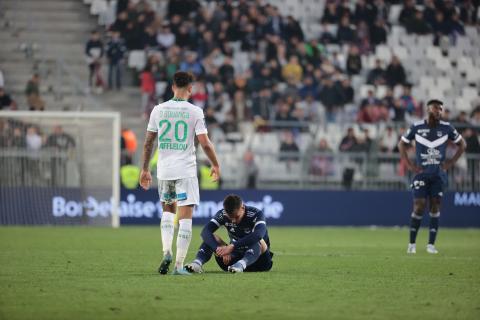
x=207, y=235
x=257, y=234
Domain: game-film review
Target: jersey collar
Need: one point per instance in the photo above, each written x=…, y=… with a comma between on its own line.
x=178, y=99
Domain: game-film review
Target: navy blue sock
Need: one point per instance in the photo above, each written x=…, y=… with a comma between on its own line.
x=204, y=253
x=433, y=227
x=252, y=254
x=414, y=226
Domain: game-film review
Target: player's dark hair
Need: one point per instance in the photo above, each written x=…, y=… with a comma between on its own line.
x=434, y=101
x=232, y=203
x=182, y=79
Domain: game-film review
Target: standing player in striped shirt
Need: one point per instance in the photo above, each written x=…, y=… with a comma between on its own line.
x=176, y=123
x=431, y=138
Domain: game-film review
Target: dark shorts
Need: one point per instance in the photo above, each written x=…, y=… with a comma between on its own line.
x=263, y=263
x=429, y=185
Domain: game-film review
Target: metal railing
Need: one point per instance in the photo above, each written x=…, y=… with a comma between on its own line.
x=47, y=167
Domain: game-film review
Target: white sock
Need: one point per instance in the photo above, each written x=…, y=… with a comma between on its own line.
x=167, y=231
x=183, y=241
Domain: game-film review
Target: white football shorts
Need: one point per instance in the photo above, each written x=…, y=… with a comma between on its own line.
x=182, y=191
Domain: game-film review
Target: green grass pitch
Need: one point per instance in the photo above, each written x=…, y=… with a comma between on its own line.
x=319, y=273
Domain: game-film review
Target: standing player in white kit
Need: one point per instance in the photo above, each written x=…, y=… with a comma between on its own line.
x=177, y=122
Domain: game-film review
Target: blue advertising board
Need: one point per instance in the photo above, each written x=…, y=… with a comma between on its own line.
x=286, y=208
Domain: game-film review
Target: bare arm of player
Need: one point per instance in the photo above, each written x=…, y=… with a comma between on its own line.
x=403, y=154
x=462, y=145
x=145, y=176
x=207, y=146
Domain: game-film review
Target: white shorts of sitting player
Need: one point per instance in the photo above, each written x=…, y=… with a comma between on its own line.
x=183, y=191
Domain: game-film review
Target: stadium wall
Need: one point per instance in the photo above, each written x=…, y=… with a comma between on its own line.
x=285, y=208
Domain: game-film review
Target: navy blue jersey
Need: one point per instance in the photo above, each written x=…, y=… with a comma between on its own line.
x=252, y=218
x=431, y=143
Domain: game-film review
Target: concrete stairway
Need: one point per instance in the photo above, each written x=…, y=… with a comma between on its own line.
x=56, y=30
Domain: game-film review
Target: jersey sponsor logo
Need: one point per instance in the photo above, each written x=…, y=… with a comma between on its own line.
x=172, y=146
x=432, y=157
x=467, y=199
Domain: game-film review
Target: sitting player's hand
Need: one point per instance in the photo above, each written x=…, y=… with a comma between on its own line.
x=224, y=250
x=145, y=179
x=227, y=259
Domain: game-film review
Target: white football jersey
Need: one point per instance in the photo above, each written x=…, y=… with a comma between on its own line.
x=176, y=123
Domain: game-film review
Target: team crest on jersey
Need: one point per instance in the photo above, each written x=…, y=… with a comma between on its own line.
x=439, y=134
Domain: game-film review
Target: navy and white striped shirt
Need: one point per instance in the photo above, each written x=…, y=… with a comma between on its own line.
x=250, y=220
x=431, y=143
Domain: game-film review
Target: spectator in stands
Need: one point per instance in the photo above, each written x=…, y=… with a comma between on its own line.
x=220, y=102
x=308, y=88
x=147, y=84
x=284, y=117
x=115, y=52
x=395, y=73
x=409, y=102
x=446, y=115
x=348, y=142
x=33, y=139
x=120, y=23
x=462, y=118
x=364, y=143
x=388, y=140
x=191, y=64
x=468, y=12
x=130, y=140
x=292, y=70
x=429, y=12
x=6, y=102
x=165, y=38
x=18, y=138
x=32, y=91
x=354, y=61
x=399, y=111
x=60, y=140
x=457, y=27
x=322, y=160
x=377, y=75
x=330, y=13
x=417, y=24
x=250, y=170
x=475, y=116
x=289, y=150
x=2, y=79
x=441, y=27
x=364, y=12
x=378, y=33
x=326, y=35
x=312, y=109
x=292, y=29
x=471, y=138
x=94, y=52
x=407, y=12
x=346, y=90
x=345, y=32
x=331, y=98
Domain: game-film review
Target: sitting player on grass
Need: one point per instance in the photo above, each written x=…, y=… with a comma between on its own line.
x=249, y=248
